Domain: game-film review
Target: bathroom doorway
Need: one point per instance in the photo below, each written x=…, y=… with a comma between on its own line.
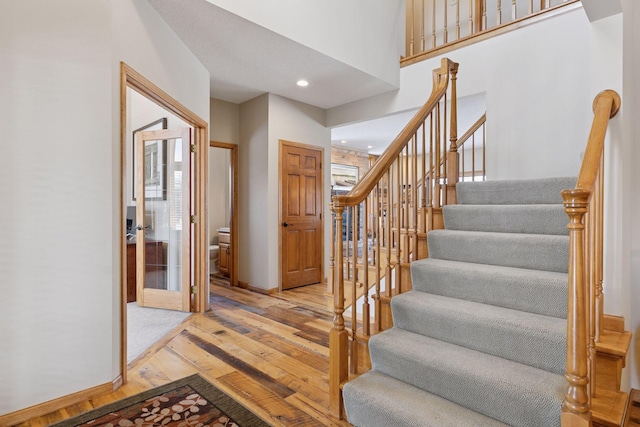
x=223, y=213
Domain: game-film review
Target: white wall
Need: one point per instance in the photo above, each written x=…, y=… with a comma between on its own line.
x=253, y=192
x=224, y=125
x=630, y=190
x=540, y=80
x=60, y=170
x=356, y=32
x=56, y=268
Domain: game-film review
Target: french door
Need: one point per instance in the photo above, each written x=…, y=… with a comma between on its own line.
x=163, y=219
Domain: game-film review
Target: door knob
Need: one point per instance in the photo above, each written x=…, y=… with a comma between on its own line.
x=285, y=224
x=139, y=227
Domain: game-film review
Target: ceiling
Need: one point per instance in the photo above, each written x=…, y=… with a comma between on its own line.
x=246, y=60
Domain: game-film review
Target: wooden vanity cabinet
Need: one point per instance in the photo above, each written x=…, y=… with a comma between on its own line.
x=224, y=254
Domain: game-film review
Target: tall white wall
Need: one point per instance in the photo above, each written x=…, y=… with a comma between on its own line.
x=56, y=178
x=253, y=193
x=60, y=178
x=629, y=191
x=360, y=33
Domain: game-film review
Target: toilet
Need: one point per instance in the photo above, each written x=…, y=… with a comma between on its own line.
x=213, y=258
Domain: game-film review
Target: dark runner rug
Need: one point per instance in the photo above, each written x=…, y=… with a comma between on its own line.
x=191, y=401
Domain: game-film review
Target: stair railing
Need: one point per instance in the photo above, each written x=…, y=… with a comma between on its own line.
x=435, y=26
x=585, y=208
x=474, y=168
x=380, y=226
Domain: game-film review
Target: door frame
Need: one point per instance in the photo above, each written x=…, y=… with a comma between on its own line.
x=200, y=302
x=283, y=142
x=233, y=273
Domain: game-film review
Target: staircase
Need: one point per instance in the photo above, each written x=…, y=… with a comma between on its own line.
x=481, y=338
x=503, y=323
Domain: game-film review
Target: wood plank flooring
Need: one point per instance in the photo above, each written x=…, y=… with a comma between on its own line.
x=269, y=352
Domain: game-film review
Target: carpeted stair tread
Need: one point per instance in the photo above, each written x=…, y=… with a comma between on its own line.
x=510, y=392
x=531, y=251
x=532, y=219
x=515, y=192
x=376, y=400
x=531, y=339
x=535, y=291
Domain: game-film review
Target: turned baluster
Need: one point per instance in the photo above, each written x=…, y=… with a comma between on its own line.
x=332, y=250
x=433, y=25
x=445, y=35
x=376, y=298
x=366, y=320
x=576, y=401
x=354, y=289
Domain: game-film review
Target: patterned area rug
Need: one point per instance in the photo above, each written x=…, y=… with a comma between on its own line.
x=191, y=401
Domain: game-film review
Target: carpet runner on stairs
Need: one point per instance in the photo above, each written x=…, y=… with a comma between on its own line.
x=481, y=338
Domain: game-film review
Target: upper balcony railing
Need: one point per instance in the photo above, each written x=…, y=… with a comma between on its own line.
x=437, y=26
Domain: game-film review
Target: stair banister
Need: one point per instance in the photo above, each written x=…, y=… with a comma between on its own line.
x=390, y=187
x=583, y=205
x=377, y=171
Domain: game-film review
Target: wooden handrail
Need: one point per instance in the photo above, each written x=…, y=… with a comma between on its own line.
x=584, y=206
x=605, y=106
x=474, y=127
x=371, y=178
x=386, y=210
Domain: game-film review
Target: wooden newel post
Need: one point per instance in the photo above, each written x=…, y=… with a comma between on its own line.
x=338, y=336
x=453, y=167
x=575, y=411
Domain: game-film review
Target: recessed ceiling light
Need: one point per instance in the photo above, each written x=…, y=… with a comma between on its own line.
x=343, y=141
x=302, y=83
x=369, y=146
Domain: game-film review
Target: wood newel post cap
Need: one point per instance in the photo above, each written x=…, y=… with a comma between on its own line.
x=575, y=198
x=615, y=101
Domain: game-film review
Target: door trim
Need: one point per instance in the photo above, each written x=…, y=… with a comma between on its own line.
x=280, y=200
x=233, y=273
x=136, y=81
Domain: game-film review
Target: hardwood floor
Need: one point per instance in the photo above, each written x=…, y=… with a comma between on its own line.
x=269, y=352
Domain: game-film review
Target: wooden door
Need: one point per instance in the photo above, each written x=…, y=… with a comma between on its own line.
x=163, y=219
x=301, y=215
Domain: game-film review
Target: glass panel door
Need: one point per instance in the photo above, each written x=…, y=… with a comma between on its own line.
x=163, y=212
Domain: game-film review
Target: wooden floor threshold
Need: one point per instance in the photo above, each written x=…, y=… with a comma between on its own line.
x=608, y=408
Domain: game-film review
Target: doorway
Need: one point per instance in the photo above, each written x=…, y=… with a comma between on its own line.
x=153, y=185
x=223, y=213
x=301, y=230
